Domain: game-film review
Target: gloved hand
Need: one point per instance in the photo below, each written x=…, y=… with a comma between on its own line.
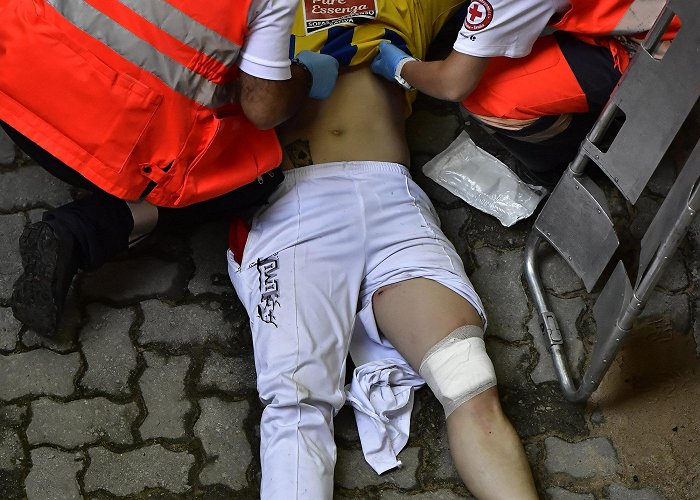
x=324, y=72
x=388, y=59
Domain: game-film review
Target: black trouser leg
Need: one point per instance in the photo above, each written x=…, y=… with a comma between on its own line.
x=553, y=155
x=595, y=71
x=239, y=202
x=101, y=223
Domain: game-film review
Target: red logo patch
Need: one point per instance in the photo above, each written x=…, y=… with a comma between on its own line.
x=479, y=15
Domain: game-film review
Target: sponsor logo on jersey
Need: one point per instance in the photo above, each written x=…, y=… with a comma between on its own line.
x=323, y=14
x=479, y=15
x=269, y=289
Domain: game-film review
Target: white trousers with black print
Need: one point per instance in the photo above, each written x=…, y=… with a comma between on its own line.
x=330, y=236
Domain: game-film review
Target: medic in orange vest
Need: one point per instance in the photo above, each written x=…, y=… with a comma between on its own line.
x=132, y=93
x=163, y=109
x=535, y=73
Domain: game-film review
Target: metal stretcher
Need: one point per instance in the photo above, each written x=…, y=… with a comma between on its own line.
x=655, y=96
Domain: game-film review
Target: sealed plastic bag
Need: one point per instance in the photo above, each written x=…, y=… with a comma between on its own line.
x=483, y=181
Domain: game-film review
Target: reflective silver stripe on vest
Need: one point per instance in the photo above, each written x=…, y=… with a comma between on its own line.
x=143, y=54
x=189, y=31
x=639, y=17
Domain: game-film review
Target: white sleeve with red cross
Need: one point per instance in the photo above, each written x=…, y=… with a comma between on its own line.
x=505, y=27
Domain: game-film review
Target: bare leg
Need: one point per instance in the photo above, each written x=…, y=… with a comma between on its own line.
x=145, y=218
x=486, y=450
x=414, y=315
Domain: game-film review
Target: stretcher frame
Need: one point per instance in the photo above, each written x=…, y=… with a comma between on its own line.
x=576, y=221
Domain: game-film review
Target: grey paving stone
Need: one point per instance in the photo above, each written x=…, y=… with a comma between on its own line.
x=227, y=374
x=567, y=311
x=66, y=338
x=132, y=279
x=11, y=452
x=557, y=493
x=9, y=329
x=7, y=149
x=618, y=492
x=346, y=426
x=430, y=133
x=497, y=280
x=12, y=484
x=675, y=276
x=694, y=240
x=19, y=189
x=557, y=276
x=80, y=422
x=163, y=389
x=133, y=471
x=694, y=267
x=663, y=178
x=673, y=309
x=184, y=325
x=532, y=451
x=646, y=209
x=696, y=327
x=108, y=351
x=486, y=230
x=35, y=215
x=209, y=247
x=598, y=417
x=443, y=466
x=542, y=410
x=220, y=429
x=352, y=471
x=452, y=222
x=11, y=227
x=38, y=372
x=510, y=362
x=585, y=459
x=431, y=495
x=53, y=475
x=12, y=415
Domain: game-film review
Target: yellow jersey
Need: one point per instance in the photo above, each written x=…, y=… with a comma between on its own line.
x=350, y=30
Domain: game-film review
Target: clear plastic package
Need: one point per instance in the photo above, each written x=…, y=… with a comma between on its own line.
x=483, y=181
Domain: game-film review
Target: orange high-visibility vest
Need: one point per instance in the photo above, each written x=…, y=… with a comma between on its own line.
x=133, y=92
x=609, y=17
x=542, y=83
x=591, y=21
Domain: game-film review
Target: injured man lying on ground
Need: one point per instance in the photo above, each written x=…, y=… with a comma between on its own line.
x=348, y=257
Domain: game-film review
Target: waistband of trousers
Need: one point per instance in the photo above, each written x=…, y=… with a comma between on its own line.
x=345, y=168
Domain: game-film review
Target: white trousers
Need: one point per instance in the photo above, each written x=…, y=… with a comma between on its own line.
x=329, y=238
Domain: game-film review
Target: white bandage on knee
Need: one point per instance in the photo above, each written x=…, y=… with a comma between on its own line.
x=457, y=368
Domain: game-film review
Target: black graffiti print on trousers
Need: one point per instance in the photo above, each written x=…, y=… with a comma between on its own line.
x=269, y=288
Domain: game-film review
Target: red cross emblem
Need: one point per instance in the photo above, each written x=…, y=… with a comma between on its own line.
x=479, y=15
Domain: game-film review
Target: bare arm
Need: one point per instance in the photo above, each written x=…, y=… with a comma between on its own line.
x=451, y=79
x=267, y=103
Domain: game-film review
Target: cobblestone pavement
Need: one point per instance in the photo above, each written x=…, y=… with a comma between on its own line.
x=149, y=390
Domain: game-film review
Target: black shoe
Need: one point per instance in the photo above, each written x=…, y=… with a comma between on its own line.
x=50, y=262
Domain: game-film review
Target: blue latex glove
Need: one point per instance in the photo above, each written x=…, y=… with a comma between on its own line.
x=388, y=59
x=324, y=72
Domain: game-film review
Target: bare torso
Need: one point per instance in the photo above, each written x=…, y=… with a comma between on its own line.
x=362, y=120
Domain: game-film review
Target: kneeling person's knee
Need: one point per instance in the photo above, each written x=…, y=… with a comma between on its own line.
x=458, y=368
